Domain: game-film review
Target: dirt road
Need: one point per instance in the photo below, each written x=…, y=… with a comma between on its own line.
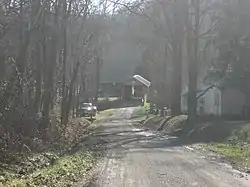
x=138, y=158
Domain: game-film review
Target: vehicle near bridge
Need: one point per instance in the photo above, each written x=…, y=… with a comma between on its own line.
x=86, y=110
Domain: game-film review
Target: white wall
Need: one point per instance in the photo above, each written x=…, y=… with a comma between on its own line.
x=184, y=103
x=217, y=102
x=212, y=104
x=207, y=102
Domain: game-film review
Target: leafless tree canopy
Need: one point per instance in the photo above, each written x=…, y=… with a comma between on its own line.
x=53, y=54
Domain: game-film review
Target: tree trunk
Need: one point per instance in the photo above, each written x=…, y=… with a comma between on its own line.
x=65, y=51
x=176, y=105
x=38, y=85
x=2, y=66
x=193, y=40
x=177, y=42
x=49, y=81
x=71, y=90
x=64, y=95
x=97, y=79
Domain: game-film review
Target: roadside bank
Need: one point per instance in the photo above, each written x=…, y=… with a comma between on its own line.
x=70, y=160
x=230, y=139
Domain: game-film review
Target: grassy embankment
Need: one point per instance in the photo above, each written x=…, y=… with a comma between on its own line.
x=234, y=143
x=65, y=171
x=141, y=112
x=228, y=138
x=142, y=118
x=108, y=112
x=57, y=167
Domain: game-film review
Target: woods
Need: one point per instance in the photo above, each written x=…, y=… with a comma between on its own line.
x=56, y=53
x=193, y=42
x=51, y=54
x=47, y=48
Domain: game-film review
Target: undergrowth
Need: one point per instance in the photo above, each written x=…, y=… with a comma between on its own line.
x=141, y=112
x=54, y=162
x=65, y=171
x=239, y=154
x=108, y=112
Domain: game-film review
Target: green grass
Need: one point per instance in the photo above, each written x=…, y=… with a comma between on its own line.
x=146, y=106
x=107, y=98
x=66, y=171
x=63, y=172
x=108, y=112
x=228, y=138
x=239, y=154
x=141, y=111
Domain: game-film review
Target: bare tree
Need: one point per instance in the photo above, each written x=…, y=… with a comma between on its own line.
x=199, y=17
x=44, y=45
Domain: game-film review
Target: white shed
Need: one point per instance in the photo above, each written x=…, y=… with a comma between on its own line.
x=217, y=101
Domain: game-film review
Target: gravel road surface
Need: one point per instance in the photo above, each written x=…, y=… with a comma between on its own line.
x=139, y=158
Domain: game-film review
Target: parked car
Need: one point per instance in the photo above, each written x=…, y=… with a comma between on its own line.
x=86, y=110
